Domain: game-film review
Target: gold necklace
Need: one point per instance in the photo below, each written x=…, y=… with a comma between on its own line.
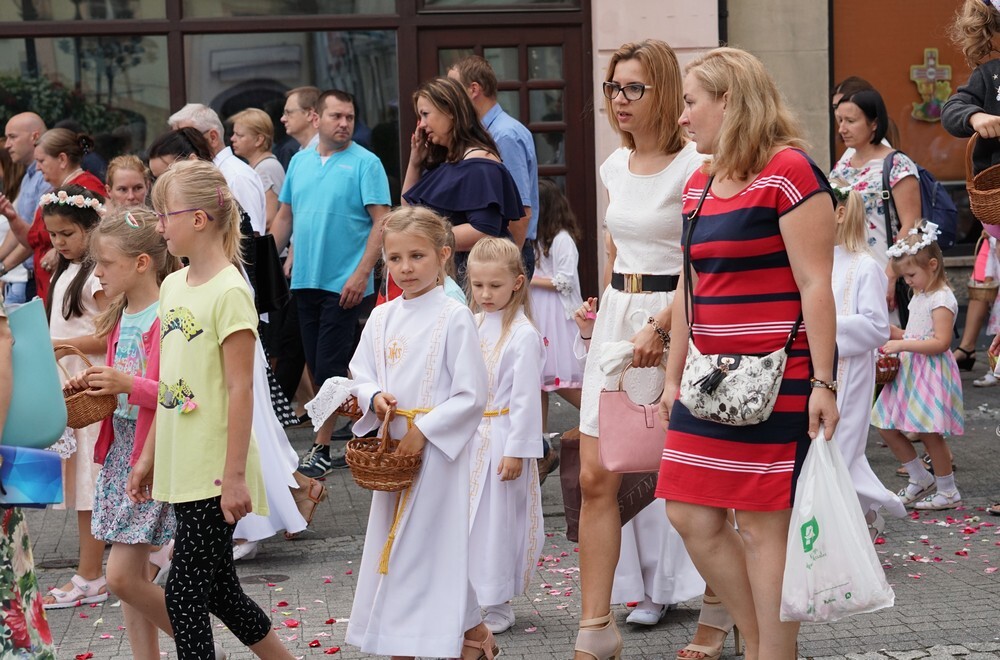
x=72, y=174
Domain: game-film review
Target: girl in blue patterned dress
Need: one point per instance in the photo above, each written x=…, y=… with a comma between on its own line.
x=131, y=260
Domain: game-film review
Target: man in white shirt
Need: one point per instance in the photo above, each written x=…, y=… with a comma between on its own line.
x=243, y=181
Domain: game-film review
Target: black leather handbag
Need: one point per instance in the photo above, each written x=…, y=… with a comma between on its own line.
x=270, y=285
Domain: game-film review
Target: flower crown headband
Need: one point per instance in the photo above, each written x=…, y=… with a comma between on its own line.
x=928, y=234
x=79, y=201
x=843, y=193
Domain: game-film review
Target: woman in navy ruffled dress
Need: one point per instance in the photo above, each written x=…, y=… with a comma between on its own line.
x=455, y=168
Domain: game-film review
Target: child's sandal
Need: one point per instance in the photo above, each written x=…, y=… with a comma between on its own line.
x=84, y=592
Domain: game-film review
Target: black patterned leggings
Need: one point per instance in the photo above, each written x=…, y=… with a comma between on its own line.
x=203, y=580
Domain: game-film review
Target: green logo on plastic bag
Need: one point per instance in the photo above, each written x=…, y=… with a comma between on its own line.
x=809, y=532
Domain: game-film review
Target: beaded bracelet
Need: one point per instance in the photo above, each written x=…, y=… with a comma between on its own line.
x=660, y=332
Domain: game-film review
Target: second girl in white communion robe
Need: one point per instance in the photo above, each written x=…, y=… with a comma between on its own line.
x=425, y=352
x=506, y=527
x=859, y=284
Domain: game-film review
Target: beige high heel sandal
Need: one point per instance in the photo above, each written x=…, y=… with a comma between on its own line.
x=488, y=647
x=599, y=638
x=713, y=615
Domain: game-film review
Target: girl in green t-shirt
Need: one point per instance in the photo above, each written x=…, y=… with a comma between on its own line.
x=201, y=455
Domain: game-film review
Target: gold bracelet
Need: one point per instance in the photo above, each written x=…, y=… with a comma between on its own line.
x=660, y=332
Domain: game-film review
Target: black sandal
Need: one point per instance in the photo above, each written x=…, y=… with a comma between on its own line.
x=967, y=362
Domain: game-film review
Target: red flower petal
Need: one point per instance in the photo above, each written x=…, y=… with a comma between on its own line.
x=331, y=621
x=282, y=603
x=291, y=623
x=332, y=650
x=314, y=644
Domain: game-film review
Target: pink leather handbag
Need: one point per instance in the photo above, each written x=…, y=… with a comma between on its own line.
x=631, y=438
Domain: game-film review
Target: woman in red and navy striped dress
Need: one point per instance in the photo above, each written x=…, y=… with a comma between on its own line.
x=762, y=252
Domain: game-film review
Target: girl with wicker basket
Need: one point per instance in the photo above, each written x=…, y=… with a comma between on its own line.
x=506, y=525
x=418, y=370
x=131, y=260
x=926, y=396
x=201, y=455
x=75, y=299
x=862, y=328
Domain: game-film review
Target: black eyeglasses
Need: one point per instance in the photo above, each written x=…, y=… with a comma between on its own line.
x=633, y=91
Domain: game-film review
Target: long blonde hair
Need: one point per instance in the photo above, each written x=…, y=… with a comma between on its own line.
x=852, y=233
x=199, y=184
x=756, y=120
x=504, y=253
x=133, y=233
x=423, y=222
x=972, y=31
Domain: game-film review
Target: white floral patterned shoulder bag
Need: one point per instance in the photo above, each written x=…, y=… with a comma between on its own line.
x=728, y=388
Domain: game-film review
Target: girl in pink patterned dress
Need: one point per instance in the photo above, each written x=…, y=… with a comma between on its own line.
x=926, y=396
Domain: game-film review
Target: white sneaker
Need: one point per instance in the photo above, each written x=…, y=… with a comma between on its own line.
x=499, y=618
x=989, y=380
x=642, y=616
x=939, y=501
x=246, y=550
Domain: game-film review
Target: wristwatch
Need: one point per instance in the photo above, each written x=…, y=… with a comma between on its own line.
x=830, y=385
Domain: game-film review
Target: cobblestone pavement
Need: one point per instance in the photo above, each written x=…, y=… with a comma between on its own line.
x=943, y=568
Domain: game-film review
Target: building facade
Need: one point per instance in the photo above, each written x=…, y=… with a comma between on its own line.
x=120, y=67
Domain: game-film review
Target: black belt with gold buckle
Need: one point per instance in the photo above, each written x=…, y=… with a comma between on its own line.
x=640, y=283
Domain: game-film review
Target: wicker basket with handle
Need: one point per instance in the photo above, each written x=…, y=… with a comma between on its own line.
x=886, y=368
x=983, y=188
x=374, y=463
x=83, y=409
x=984, y=291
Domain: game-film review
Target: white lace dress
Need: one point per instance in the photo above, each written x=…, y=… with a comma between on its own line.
x=644, y=219
x=552, y=311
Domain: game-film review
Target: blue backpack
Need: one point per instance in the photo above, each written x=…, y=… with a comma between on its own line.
x=935, y=203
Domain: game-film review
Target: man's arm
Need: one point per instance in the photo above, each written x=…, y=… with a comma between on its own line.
x=281, y=227
x=354, y=289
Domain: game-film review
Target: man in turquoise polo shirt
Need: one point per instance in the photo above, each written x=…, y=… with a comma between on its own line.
x=333, y=201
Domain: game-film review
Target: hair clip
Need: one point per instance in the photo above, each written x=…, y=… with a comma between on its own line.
x=131, y=221
x=222, y=200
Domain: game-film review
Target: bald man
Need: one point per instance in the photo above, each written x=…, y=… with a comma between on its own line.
x=21, y=132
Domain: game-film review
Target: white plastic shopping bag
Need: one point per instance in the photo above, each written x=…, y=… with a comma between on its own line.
x=831, y=568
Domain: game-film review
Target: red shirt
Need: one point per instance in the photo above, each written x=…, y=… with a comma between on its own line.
x=38, y=236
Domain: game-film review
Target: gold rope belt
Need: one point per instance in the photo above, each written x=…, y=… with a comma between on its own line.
x=496, y=413
x=401, y=497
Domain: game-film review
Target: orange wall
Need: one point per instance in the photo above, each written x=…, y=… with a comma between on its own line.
x=879, y=41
